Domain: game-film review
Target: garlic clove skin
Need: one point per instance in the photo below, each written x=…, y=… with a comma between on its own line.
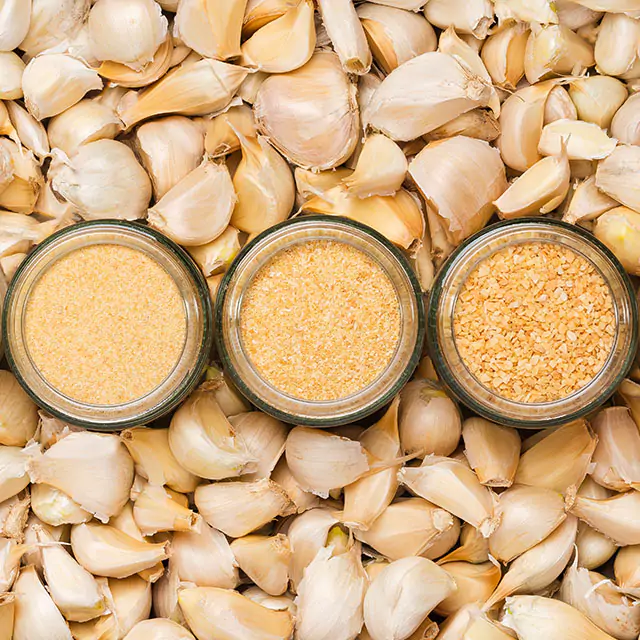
x=13, y=472
x=159, y=509
x=226, y=395
x=261, y=12
x=165, y=596
x=216, y=256
x=31, y=132
x=159, y=628
x=10, y=554
x=55, y=507
x=13, y=516
x=616, y=44
x=503, y=55
x=583, y=140
x=130, y=602
x=276, y=603
x=626, y=571
x=540, y=11
x=625, y=125
x=18, y=413
x=303, y=500
x=470, y=622
x=473, y=547
x=594, y=548
x=588, y=202
x=32, y=554
x=478, y=123
x=473, y=17
x=220, y=132
x=475, y=582
x=14, y=23
x=7, y=614
x=11, y=70
x=615, y=176
x=619, y=229
x=575, y=15
x=598, y=98
x=559, y=106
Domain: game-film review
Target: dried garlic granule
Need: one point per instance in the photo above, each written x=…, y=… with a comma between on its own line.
x=320, y=321
x=105, y=324
x=534, y=322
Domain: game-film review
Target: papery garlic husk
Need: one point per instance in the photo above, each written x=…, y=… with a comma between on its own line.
x=559, y=106
x=331, y=595
x=619, y=229
x=402, y=595
x=321, y=461
x=13, y=472
x=211, y=28
x=18, y=232
x=601, y=601
x=261, y=12
x=36, y=615
x=453, y=486
x=169, y=149
x=557, y=50
x=239, y=508
x=11, y=70
x=264, y=186
x=615, y=176
x=465, y=16
x=220, y=137
x=625, y=126
x=130, y=602
x=10, y=553
x=479, y=123
x=475, y=582
x=303, y=500
x=7, y=611
x=616, y=460
x=527, y=516
x=617, y=43
x=560, y=460
x=583, y=140
x=479, y=174
x=265, y=438
x=503, y=54
x=307, y=534
x=54, y=82
x=441, y=246
x=538, y=567
x=20, y=194
x=95, y=470
x=617, y=517
x=222, y=613
x=283, y=45
x=51, y=429
x=13, y=516
x=395, y=35
x=127, y=31
x=493, y=451
x=51, y=208
x=14, y=23
x=154, y=460
x=540, y=11
x=598, y=98
x=205, y=443
x=106, y=551
x=55, y=507
x=276, y=603
x=73, y=589
x=159, y=509
x=627, y=570
x=265, y=560
x=216, y=256
x=103, y=180
x=588, y=202
x=204, y=558
x=18, y=413
x=32, y=133
x=427, y=91
x=159, y=628
x=199, y=88
x=474, y=547
x=329, y=117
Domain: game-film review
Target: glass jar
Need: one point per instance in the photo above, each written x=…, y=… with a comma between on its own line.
x=198, y=314
x=450, y=366
x=237, y=363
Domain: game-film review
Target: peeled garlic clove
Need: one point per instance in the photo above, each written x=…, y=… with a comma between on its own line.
x=321, y=461
x=239, y=508
x=475, y=582
x=616, y=46
x=493, y=451
x=13, y=473
x=625, y=125
x=264, y=186
x=479, y=123
x=473, y=547
x=31, y=132
x=18, y=413
x=473, y=16
x=540, y=11
x=395, y=36
x=54, y=507
x=583, y=140
x=205, y=443
x=158, y=509
x=159, y=628
x=199, y=88
x=559, y=106
x=619, y=229
x=538, y=567
x=503, y=54
x=588, y=202
x=204, y=558
x=11, y=70
x=627, y=570
x=220, y=132
x=451, y=485
x=95, y=470
x=616, y=176
x=329, y=117
x=217, y=255
x=598, y=98
x=302, y=499
x=479, y=174
x=198, y=208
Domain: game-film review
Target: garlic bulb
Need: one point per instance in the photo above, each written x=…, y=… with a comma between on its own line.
x=625, y=126
x=239, y=508
x=198, y=208
x=204, y=558
x=95, y=470
x=479, y=174
x=221, y=613
x=13, y=516
x=615, y=176
x=11, y=70
x=264, y=185
x=527, y=516
x=55, y=507
x=103, y=180
x=619, y=229
x=54, y=82
x=285, y=44
x=31, y=132
x=493, y=451
x=205, y=443
x=626, y=570
x=598, y=98
x=159, y=628
x=127, y=31
x=303, y=500
x=616, y=45
x=36, y=615
x=18, y=413
x=559, y=106
x=199, y=88
x=503, y=54
x=395, y=35
x=451, y=485
x=474, y=17
x=402, y=595
x=13, y=473
x=159, y=509
x=321, y=461
x=540, y=11
x=329, y=117
x=220, y=132
x=588, y=202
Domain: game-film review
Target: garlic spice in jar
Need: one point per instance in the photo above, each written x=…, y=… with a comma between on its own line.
x=107, y=324
x=532, y=323
x=319, y=321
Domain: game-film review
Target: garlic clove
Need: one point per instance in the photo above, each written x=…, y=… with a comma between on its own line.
x=226, y=395
x=220, y=132
x=239, y=508
x=473, y=17
x=18, y=413
x=629, y=392
x=473, y=547
x=11, y=70
x=103, y=627
x=475, y=582
x=594, y=548
x=470, y=622
x=625, y=125
x=478, y=123
x=588, y=202
x=14, y=23
x=503, y=54
x=158, y=628
x=165, y=596
x=198, y=208
x=7, y=614
x=310, y=184
x=130, y=602
x=9, y=264
x=598, y=98
x=615, y=176
x=626, y=570
x=283, y=45
x=31, y=552
x=55, y=507
x=540, y=11
x=13, y=516
x=276, y=603
x=559, y=106
x=575, y=15
x=583, y=140
x=619, y=229
x=159, y=509
x=216, y=256
x=31, y=132
x=22, y=188
x=261, y=12
x=303, y=500
x=13, y=472
x=443, y=543
x=616, y=44
x=10, y=553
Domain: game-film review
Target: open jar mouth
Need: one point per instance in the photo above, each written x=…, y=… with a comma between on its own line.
x=198, y=338
x=441, y=338
x=241, y=369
